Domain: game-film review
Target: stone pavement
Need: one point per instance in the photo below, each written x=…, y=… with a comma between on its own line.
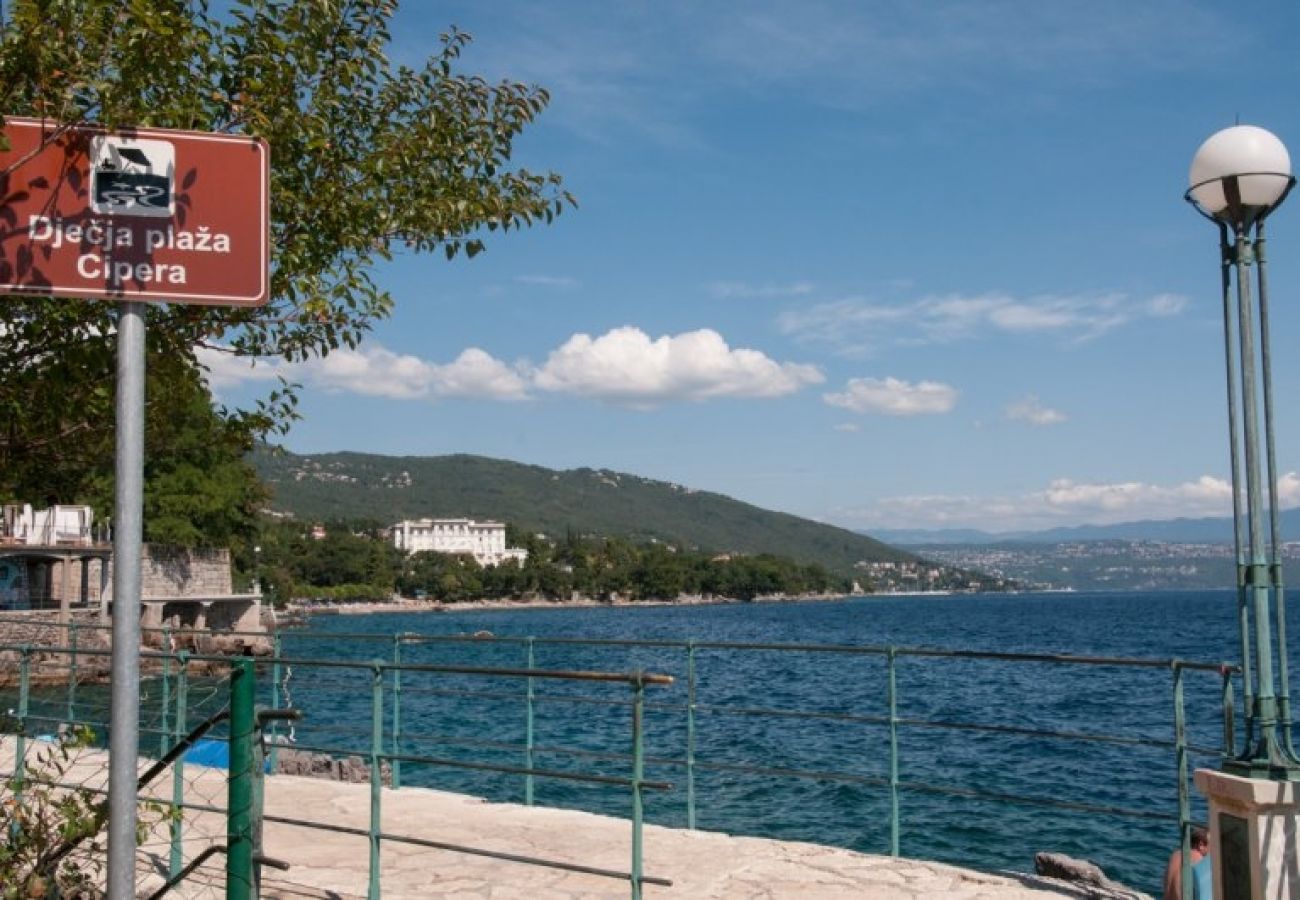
x=702, y=865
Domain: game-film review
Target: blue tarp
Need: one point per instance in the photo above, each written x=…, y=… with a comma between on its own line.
x=210, y=753
x=214, y=754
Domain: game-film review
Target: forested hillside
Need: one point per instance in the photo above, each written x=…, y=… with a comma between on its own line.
x=352, y=486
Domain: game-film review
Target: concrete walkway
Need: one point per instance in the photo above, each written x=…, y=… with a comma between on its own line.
x=701, y=865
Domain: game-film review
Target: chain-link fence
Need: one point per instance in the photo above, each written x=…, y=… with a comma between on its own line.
x=54, y=734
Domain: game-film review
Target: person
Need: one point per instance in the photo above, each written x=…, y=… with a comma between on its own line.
x=1202, y=873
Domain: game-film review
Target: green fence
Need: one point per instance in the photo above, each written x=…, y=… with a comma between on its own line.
x=1167, y=741
x=393, y=683
x=71, y=698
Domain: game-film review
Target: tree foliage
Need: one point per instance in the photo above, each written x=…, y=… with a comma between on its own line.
x=350, y=562
x=200, y=489
x=605, y=569
x=366, y=157
x=355, y=561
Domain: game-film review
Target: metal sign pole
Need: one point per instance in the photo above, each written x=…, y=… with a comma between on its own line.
x=124, y=736
x=143, y=214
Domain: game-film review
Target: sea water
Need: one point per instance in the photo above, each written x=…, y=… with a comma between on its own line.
x=741, y=721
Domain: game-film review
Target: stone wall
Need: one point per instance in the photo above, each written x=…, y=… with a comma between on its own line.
x=240, y=613
x=179, y=572
x=43, y=629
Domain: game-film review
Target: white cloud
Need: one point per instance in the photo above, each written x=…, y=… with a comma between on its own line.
x=625, y=366
x=375, y=371
x=1030, y=409
x=733, y=290
x=551, y=281
x=227, y=370
x=1166, y=304
x=893, y=397
x=1063, y=502
x=1207, y=494
x=371, y=371
x=476, y=373
x=858, y=324
x=622, y=366
x=848, y=427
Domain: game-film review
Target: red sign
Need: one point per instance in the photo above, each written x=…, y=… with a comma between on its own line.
x=135, y=214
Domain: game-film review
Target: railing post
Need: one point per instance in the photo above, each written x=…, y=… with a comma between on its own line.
x=690, y=735
x=376, y=775
x=259, y=807
x=638, y=775
x=20, y=743
x=72, y=672
x=397, y=710
x=894, y=815
x=165, y=702
x=179, y=728
x=276, y=650
x=1229, y=714
x=239, y=823
x=1184, y=800
x=530, y=697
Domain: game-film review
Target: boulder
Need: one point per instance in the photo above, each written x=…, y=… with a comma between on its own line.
x=1088, y=876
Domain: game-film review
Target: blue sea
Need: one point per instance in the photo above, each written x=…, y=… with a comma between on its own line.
x=820, y=775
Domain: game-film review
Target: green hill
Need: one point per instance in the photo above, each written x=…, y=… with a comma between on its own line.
x=589, y=501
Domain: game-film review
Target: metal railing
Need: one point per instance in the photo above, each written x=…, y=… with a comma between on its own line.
x=397, y=684
x=1169, y=741
x=167, y=719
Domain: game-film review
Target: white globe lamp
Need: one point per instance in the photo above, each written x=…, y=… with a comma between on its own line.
x=1239, y=175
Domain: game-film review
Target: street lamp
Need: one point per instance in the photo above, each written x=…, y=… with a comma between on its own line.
x=1238, y=177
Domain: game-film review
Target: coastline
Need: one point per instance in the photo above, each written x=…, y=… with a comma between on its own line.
x=482, y=605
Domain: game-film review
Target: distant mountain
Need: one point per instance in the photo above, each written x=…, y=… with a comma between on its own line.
x=589, y=501
x=1190, y=531
x=903, y=537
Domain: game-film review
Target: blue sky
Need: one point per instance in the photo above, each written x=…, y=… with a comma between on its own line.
x=908, y=264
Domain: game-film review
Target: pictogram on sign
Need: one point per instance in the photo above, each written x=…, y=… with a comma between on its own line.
x=132, y=177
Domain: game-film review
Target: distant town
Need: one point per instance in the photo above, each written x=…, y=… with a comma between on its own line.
x=927, y=576
x=1100, y=565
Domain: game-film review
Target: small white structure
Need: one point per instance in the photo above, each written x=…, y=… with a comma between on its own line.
x=46, y=527
x=485, y=541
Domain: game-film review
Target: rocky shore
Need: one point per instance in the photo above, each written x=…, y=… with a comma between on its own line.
x=409, y=605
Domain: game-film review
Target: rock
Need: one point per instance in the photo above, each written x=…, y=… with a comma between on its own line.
x=225, y=645
x=321, y=765
x=221, y=644
x=1084, y=874
x=351, y=768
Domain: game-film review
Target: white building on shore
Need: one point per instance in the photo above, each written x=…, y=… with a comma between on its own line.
x=485, y=541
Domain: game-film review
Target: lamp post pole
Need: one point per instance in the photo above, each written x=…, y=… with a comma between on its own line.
x=1238, y=177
